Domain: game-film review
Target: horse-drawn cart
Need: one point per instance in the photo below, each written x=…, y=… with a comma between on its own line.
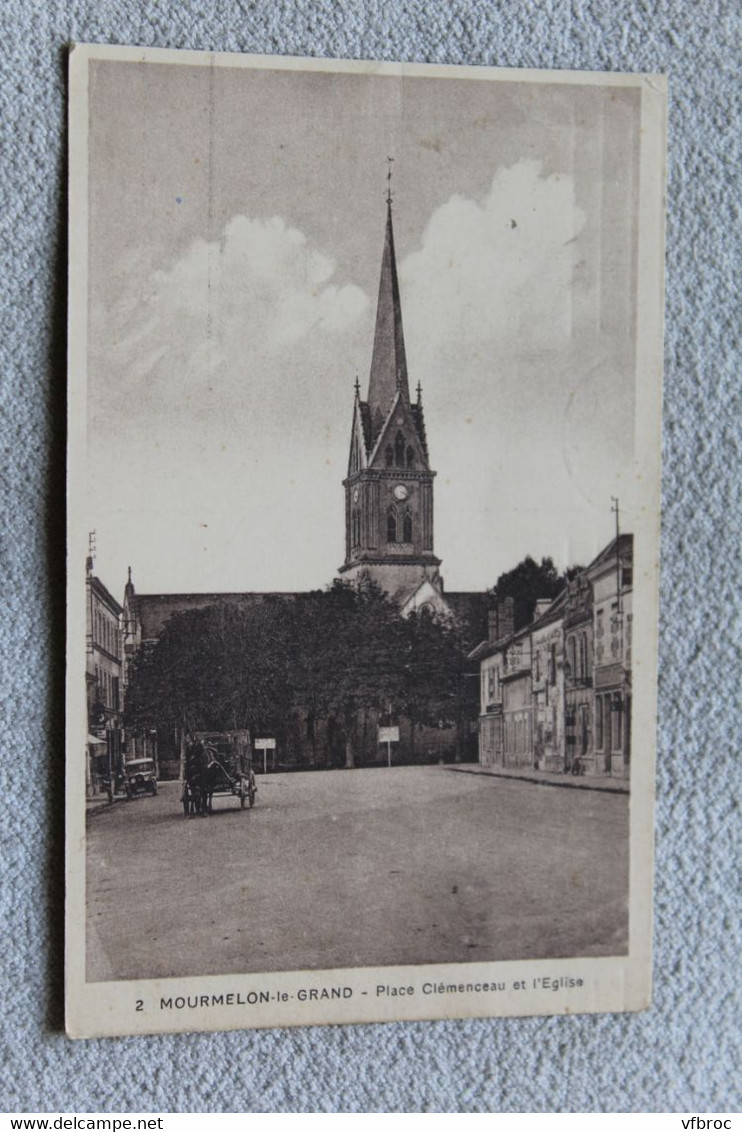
x=217, y=763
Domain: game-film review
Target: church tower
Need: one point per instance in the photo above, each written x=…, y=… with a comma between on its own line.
x=389, y=486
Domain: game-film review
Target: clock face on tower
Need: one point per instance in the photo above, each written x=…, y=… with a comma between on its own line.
x=400, y=492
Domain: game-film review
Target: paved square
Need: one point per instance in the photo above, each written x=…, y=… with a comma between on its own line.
x=354, y=868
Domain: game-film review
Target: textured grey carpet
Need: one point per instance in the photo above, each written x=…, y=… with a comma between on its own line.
x=680, y=1054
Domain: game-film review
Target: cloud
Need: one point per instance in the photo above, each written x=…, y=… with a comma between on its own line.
x=497, y=270
x=260, y=292
x=535, y=396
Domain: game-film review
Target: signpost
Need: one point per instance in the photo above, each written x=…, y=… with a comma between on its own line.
x=389, y=735
x=265, y=745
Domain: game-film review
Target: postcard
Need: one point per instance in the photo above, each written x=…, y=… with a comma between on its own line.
x=365, y=369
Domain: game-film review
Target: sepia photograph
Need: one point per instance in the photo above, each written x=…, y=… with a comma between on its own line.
x=364, y=449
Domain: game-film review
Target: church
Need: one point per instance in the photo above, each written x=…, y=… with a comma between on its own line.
x=389, y=524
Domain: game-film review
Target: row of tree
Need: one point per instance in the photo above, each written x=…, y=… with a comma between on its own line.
x=325, y=661
x=336, y=655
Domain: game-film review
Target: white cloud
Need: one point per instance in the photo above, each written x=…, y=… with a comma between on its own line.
x=498, y=269
x=259, y=292
x=528, y=416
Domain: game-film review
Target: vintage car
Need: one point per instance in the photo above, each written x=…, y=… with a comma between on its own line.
x=140, y=777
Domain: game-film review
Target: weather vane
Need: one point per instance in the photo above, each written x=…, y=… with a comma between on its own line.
x=389, y=181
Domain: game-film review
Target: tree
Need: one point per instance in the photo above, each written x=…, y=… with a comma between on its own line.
x=528, y=583
x=219, y=668
x=430, y=689
x=346, y=655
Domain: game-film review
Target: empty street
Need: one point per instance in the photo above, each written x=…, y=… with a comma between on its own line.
x=378, y=867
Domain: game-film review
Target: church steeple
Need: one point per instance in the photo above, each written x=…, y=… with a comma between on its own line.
x=389, y=487
x=389, y=360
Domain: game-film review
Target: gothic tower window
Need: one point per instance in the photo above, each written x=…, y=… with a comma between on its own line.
x=391, y=524
x=407, y=526
x=399, y=450
x=355, y=528
x=389, y=456
x=410, y=457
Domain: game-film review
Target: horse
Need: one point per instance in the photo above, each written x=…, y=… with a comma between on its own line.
x=202, y=775
x=199, y=780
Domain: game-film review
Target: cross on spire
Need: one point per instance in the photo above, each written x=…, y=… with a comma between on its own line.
x=389, y=180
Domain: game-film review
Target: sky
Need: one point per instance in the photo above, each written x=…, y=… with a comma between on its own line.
x=236, y=227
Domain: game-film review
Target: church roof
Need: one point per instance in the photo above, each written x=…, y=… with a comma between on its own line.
x=389, y=361
x=388, y=380
x=153, y=611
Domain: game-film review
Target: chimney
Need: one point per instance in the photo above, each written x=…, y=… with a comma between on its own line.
x=542, y=605
x=501, y=621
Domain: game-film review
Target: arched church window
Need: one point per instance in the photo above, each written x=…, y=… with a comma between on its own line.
x=407, y=527
x=399, y=450
x=389, y=456
x=355, y=525
x=391, y=524
x=410, y=457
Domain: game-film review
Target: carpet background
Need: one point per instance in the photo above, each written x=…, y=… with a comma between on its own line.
x=683, y=1053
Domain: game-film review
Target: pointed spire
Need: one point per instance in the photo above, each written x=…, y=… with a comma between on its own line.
x=389, y=362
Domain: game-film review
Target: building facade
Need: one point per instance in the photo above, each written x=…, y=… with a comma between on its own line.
x=579, y=706
x=517, y=707
x=103, y=685
x=612, y=582
x=556, y=695
x=547, y=653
